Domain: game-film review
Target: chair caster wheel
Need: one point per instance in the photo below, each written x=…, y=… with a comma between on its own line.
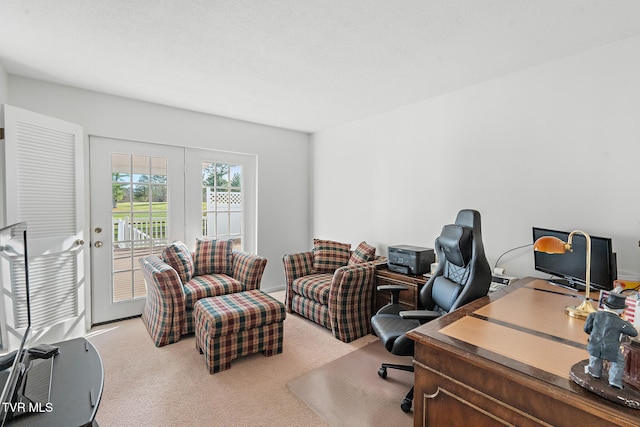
x=382, y=373
x=406, y=405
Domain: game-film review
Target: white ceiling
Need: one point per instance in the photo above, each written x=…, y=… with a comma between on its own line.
x=306, y=65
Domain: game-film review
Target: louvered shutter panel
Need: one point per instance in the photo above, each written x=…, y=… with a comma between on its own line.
x=42, y=164
x=46, y=180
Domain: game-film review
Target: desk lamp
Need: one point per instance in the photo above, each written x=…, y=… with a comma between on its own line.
x=553, y=245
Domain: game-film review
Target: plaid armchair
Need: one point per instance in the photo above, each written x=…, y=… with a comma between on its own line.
x=333, y=287
x=174, y=284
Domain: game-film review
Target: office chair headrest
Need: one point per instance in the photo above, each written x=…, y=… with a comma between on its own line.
x=456, y=243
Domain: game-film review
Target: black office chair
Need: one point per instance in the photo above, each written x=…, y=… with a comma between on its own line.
x=463, y=275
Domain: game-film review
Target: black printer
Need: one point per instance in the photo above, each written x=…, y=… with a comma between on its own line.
x=408, y=259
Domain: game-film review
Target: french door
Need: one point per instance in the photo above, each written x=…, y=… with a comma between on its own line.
x=144, y=196
x=137, y=208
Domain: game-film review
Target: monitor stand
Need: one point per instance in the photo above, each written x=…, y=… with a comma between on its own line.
x=569, y=284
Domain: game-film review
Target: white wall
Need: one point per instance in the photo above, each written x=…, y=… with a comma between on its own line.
x=4, y=89
x=283, y=155
x=554, y=146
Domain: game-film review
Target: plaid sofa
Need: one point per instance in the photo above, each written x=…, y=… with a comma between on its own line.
x=168, y=312
x=339, y=297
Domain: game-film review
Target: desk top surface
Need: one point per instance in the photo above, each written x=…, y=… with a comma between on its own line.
x=520, y=333
x=524, y=323
x=528, y=325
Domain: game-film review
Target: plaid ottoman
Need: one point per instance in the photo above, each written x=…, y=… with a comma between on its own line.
x=238, y=324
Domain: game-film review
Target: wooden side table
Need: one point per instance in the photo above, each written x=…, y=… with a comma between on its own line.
x=409, y=298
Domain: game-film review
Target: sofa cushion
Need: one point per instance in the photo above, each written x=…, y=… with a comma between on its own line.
x=178, y=256
x=209, y=285
x=315, y=287
x=329, y=255
x=213, y=256
x=312, y=310
x=363, y=253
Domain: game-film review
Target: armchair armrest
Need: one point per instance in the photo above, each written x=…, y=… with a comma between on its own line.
x=248, y=269
x=297, y=265
x=350, y=301
x=164, y=312
x=162, y=278
x=421, y=315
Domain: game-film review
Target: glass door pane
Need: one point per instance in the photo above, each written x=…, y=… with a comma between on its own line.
x=139, y=219
x=222, y=204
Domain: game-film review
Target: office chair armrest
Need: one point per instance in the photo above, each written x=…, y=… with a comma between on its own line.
x=392, y=288
x=421, y=315
x=395, y=292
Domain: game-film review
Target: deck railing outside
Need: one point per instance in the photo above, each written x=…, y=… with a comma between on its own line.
x=141, y=231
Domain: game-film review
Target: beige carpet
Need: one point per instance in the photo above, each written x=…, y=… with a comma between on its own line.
x=349, y=392
x=170, y=386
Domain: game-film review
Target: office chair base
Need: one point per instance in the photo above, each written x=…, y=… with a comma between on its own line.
x=407, y=402
x=382, y=372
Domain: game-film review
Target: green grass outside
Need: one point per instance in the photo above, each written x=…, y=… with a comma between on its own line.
x=141, y=210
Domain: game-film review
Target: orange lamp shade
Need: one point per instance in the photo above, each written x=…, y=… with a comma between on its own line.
x=550, y=245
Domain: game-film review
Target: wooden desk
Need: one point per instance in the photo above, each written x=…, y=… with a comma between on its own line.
x=505, y=360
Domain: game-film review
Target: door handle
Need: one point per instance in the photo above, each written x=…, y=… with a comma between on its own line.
x=97, y=244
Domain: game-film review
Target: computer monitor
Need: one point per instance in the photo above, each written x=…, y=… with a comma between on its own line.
x=14, y=266
x=569, y=269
